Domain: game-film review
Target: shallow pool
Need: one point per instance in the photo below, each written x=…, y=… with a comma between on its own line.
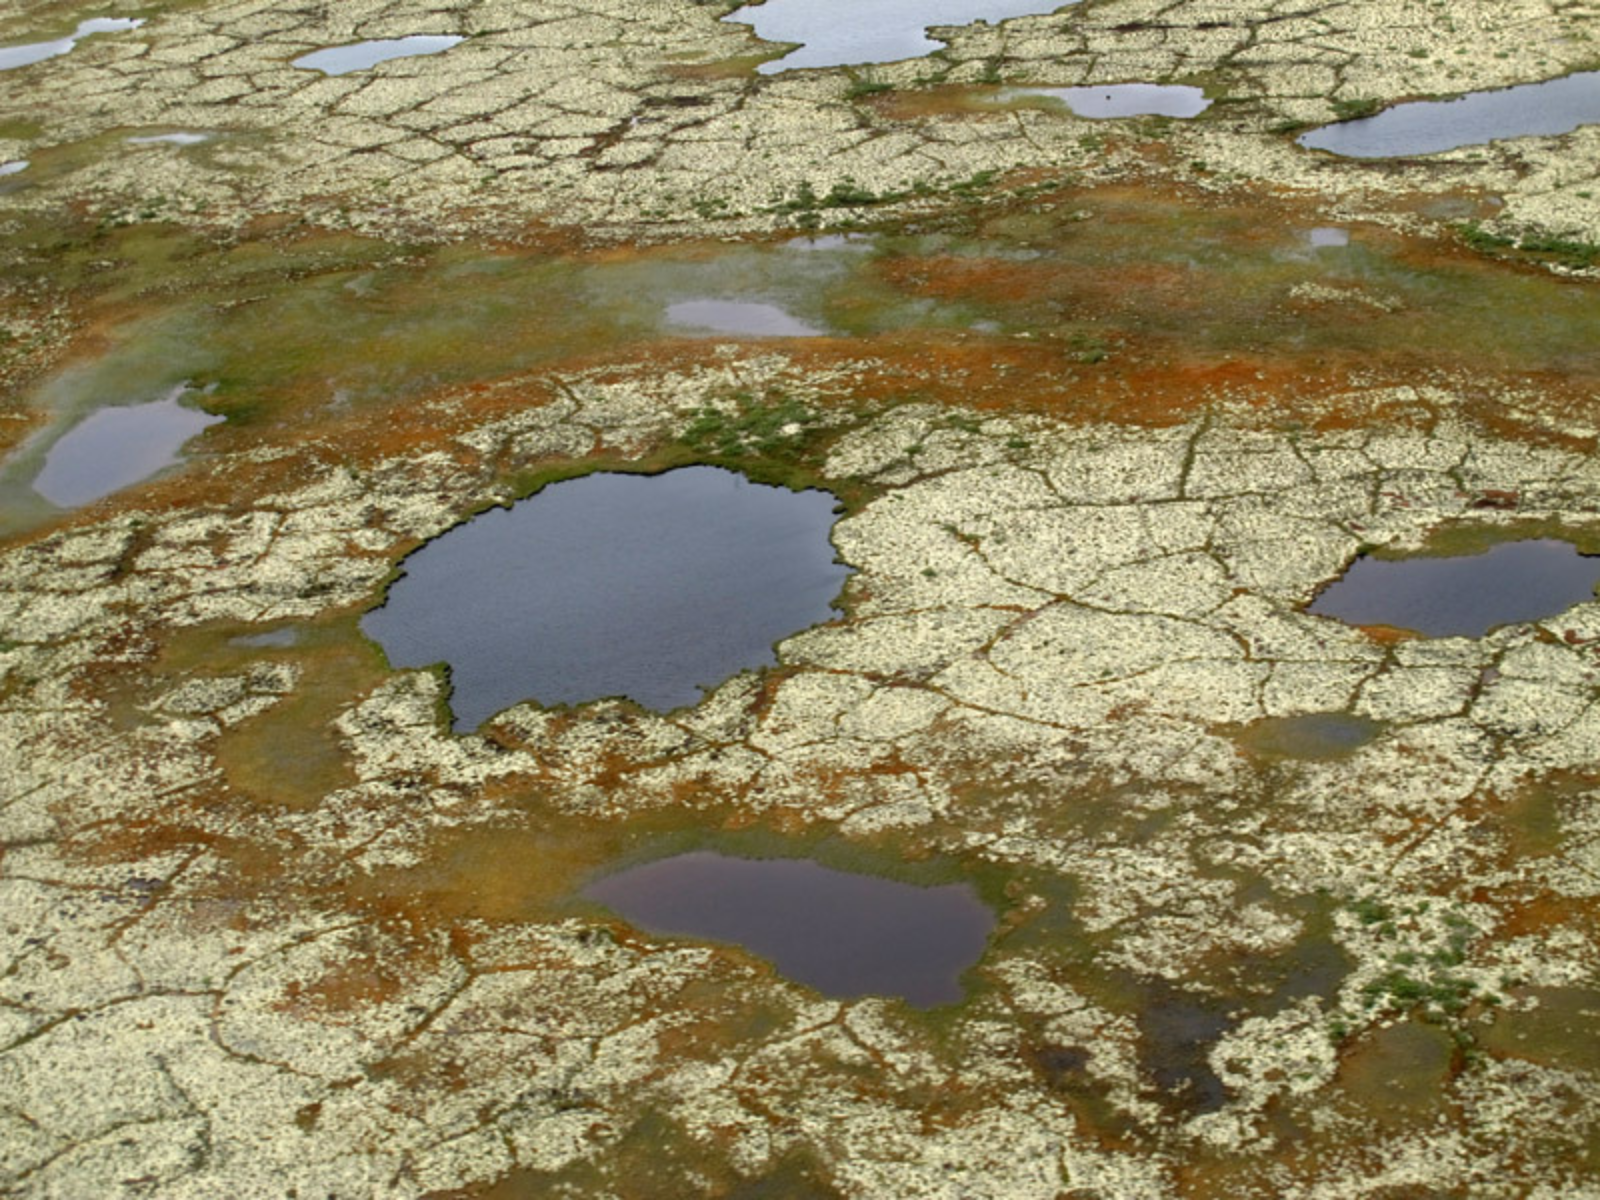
x=835, y=33
x=1429, y=126
x=359, y=56
x=1120, y=99
x=645, y=586
x=1464, y=595
x=843, y=933
x=26, y=55
x=113, y=448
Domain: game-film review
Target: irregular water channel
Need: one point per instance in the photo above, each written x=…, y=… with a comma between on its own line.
x=1429, y=126
x=26, y=55
x=843, y=933
x=645, y=586
x=835, y=33
x=1463, y=595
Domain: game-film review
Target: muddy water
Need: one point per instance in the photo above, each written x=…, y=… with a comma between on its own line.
x=842, y=933
x=649, y=587
x=1120, y=99
x=1465, y=595
x=837, y=33
x=1429, y=126
x=1309, y=735
x=116, y=447
x=1114, y=284
x=752, y=318
x=359, y=56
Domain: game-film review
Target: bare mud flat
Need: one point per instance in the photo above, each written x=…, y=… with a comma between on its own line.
x=1061, y=833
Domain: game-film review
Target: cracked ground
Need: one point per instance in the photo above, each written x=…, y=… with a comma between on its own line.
x=1103, y=420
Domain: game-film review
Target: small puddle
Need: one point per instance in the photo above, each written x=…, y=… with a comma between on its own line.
x=645, y=586
x=1120, y=99
x=341, y=60
x=748, y=318
x=836, y=33
x=110, y=449
x=181, y=137
x=1177, y=1032
x=842, y=933
x=12, y=57
x=1309, y=736
x=272, y=639
x=1465, y=595
x=1324, y=236
x=1429, y=126
x=14, y=167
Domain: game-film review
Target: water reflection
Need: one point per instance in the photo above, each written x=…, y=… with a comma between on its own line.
x=1429, y=126
x=115, y=447
x=1120, y=99
x=649, y=587
x=842, y=933
x=359, y=56
x=837, y=33
x=12, y=57
x=1463, y=596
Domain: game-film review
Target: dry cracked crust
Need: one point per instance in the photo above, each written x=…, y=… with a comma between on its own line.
x=636, y=120
x=1219, y=972
x=1053, y=635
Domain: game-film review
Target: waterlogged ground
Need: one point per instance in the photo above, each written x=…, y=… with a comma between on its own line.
x=1283, y=905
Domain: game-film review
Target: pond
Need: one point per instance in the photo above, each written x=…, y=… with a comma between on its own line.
x=749, y=318
x=834, y=33
x=114, y=447
x=645, y=586
x=15, y=167
x=1429, y=126
x=1463, y=595
x=1120, y=99
x=359, y=56
x=26, y=55
x=842, y=933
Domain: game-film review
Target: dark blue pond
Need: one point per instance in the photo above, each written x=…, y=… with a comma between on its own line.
x=839, y=932
x=644, y=586
x=1466, y=595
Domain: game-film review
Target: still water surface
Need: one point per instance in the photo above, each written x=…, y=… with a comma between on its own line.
x=645, y=586
x=1465, y=595
x=114, y=447
x=359, y=56
x=842, y=933
x=1121, y=99
x=1429, y=126
x=837, y=33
